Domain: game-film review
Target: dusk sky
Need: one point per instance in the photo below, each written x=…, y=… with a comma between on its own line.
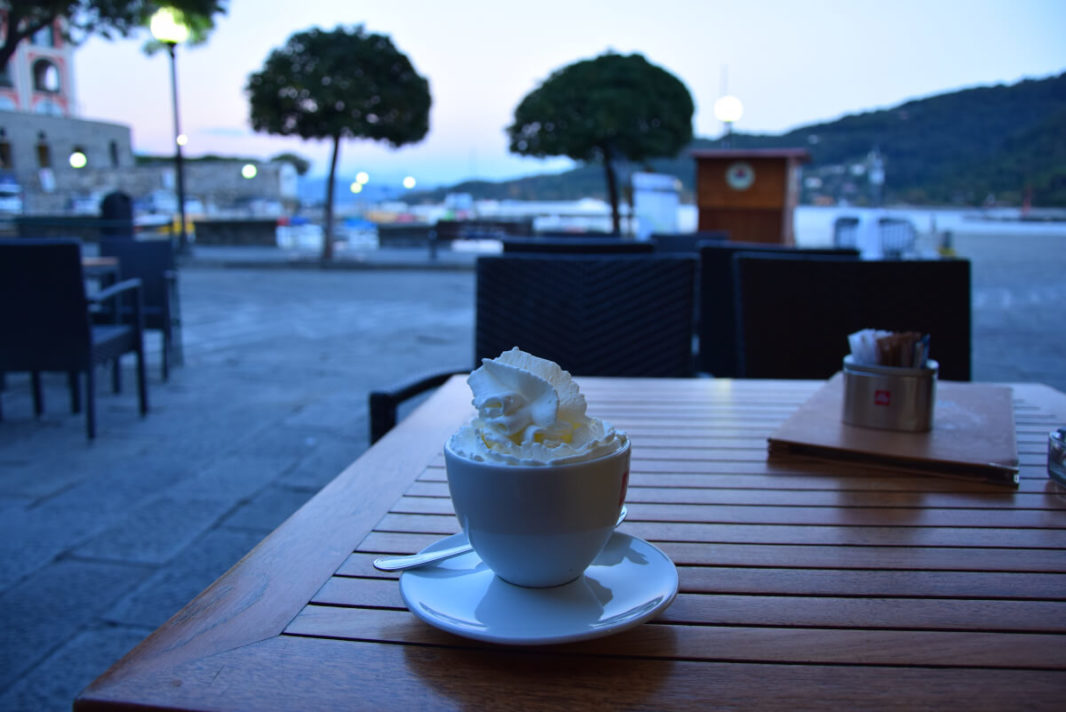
x=791, y=63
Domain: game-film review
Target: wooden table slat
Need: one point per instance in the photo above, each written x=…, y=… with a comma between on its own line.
x=684, y=506
x=449, y=676
x=900, y=558
x=771, y=532
x=419, y=493
x=764, y=644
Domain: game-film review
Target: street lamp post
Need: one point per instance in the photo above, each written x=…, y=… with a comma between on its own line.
x=167, y=27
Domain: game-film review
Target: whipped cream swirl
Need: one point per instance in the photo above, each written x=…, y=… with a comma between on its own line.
x=530, y=412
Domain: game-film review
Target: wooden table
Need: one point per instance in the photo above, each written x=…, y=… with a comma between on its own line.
x=802, y=584
x=105, y=270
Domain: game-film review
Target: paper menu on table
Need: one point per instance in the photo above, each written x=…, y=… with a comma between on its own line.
x=973, y=434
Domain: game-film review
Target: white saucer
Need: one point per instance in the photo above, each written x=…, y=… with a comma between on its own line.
x=628, y=583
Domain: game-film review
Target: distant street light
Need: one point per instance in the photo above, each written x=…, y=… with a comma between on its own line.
x=78, y=160
x=728, y=110
x=167, y=27
x=362, y=177
x=409, y=182
x=249, y=171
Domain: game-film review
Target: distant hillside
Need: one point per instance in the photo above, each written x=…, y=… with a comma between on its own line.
x=962, y=148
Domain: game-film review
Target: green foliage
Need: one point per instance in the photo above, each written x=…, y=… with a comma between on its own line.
x=957, y=148
x=603, y=109
x=339, y=84
x=613, y=103
x=107, y=18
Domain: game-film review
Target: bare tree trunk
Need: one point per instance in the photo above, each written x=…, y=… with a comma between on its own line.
x=612, y=190
x=15, y=32
x=327, y=228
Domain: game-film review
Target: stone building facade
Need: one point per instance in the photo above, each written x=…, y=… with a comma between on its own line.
x=39, y=78
x=37, y=150
x=66, y=164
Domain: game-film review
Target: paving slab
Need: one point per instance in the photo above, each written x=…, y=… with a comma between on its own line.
x=156, y=532
x=268, y=508
x=163, y=593
x=53, y=684
x=42, y=610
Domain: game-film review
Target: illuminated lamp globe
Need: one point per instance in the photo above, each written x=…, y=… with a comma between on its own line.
x=78, y=160
x=409, y=182
x=249, y=171
x=168, y=27
x=728, y=109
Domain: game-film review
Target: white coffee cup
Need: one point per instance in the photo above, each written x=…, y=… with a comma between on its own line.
x=538, y=525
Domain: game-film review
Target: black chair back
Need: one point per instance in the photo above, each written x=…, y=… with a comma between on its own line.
x=44, y=325
x=594, y=315
x=616, y=315
x=717, y=310
x=149, y=261
x=153, y=262
x=686, y=243
x=575, y=245
x=794, y=314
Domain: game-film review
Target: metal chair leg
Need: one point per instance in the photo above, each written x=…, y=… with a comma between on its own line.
x=90, y=401
x=142, y=382
x=38, y=394
x=167, y=346
x=74, y=387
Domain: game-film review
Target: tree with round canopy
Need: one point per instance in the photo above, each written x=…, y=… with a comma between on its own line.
x=344, y=83
x=605, y=109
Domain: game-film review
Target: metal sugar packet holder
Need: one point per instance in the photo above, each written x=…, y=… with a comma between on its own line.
x=1056, y=455
x=891, y=397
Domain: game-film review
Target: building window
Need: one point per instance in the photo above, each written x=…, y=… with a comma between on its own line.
x=5, y=77
x=46, y=76
x=113, y=149
x=5, y=155
x=44, y=155
x=7, y=103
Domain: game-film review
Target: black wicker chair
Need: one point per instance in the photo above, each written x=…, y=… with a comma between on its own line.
x=575, y=245
x=794, y=314
x=46, y=324
x=602, y=315
x=686, y=243
x=717, y=310
x=152, y=262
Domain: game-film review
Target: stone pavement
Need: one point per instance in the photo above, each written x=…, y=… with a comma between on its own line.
x=101, y=542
